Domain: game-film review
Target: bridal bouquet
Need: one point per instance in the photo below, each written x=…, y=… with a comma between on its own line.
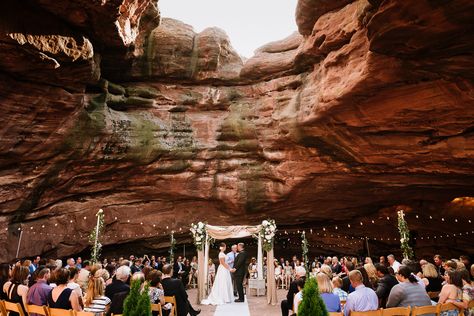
x=268, y=233
x=199, y=234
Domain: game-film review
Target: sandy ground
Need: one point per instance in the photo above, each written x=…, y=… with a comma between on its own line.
x=258, y=305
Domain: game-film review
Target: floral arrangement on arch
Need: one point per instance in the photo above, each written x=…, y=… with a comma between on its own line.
x=267, y=232
x=199, y=234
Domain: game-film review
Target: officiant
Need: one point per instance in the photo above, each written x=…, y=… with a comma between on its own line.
x=230, y=258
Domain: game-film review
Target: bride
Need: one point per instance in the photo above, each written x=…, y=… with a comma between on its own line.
x=222, y=291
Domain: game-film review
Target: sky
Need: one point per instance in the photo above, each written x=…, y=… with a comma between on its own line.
x=249, y=23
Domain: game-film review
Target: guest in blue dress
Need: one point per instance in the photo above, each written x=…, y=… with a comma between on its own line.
x=331, y=300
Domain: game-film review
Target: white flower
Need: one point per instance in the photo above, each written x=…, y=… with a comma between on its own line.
x=272, y=228
x=265, y=223
x=201, y=225
x=402, y=240
x=267, y=230
x=268, y=237
x=198, y=238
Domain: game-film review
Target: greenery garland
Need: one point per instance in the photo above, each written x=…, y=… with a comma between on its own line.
x=304, y=248
x=94, y=237
x=172, y=247
x=267, y=232
x=404, y=236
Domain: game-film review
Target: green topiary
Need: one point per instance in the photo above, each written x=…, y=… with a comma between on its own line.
x=312, y=303
x=137, y=302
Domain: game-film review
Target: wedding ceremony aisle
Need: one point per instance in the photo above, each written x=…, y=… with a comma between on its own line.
x=253, y=306
x=241, y=309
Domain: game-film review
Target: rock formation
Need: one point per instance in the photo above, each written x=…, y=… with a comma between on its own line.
x=367, y=110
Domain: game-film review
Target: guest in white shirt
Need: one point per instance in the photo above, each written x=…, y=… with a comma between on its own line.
x=363, y=299
x=394, y=264
x=298, y=296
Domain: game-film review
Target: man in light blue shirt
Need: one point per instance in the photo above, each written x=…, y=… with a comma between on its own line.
x=229, y=259
x=363, y=299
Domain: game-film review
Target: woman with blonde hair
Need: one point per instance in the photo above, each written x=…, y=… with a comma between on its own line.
x=95, y=301
x=372, y=273
x=326, y=270
x=212, y=272
x=431, y=278
x=331, y=300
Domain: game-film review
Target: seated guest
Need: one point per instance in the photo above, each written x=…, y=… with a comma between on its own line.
x=174, y=287
x=372, y=274
x=287, y=305
x=38, y=292
x=365, y=277
x=119, y=284
x=439, y=264
x=363, y=298
x=4, y=277
x=95, y=300
x=394, y=264
x=83, y=276
x=111, y=270
x=331, y=300
x=408, y=292
x=346, y=283
x=326, y=270
x=298, y=296
x=451, y=291
x=336, y=267
x=16, y=289
x=432, y=278
x=336, y=284
x=157, y=295
x=385, y=284
x=61, y=296
x=118, y=290
x=137, y=266
x=72, y=284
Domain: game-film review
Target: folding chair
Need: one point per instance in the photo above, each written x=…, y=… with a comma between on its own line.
x=377, y=312
x=157, y=308
x=172, y=300
x=60, y=312
x=423, y=310
x=13, y=307
x=396, y=311
x=36, y=309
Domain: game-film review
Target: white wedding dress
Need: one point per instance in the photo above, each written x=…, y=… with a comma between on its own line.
x=222, y=291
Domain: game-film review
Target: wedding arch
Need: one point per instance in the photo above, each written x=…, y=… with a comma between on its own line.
x=203, y=234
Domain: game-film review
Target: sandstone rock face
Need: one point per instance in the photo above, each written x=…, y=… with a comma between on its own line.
x=368, y=110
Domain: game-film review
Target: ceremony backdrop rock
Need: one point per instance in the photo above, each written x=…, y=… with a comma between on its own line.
x=368, y=109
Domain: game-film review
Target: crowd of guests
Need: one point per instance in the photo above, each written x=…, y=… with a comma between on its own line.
x=100, y=288
x=347, y=285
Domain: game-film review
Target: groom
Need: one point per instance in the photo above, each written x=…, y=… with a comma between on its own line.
x=239, y=271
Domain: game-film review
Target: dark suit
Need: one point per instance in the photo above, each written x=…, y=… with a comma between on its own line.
x=174, y=287
x=240, y=266
x=384, y=287
x=115, y=287
x=176, y=268
x=287, y=304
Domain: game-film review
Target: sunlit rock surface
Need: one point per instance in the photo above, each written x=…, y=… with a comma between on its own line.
x=368, y=110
